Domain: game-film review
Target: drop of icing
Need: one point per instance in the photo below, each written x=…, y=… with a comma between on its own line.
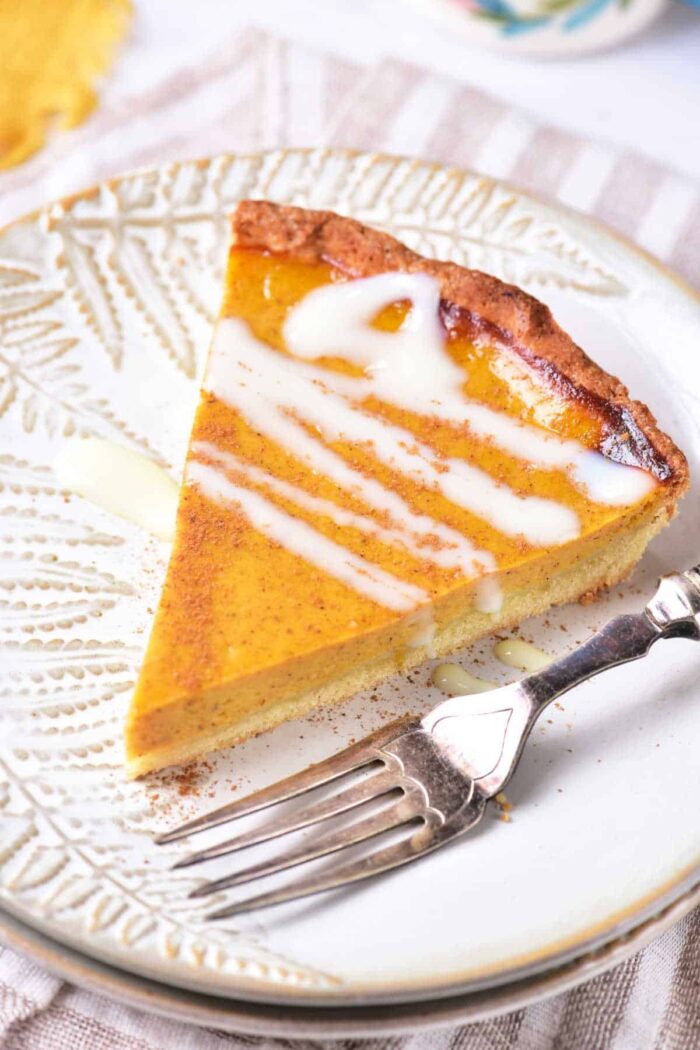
x=608, y=482
x=121, y=481
x=455, y=681
x=489, y=596
x=423, y=630
x=518, y=653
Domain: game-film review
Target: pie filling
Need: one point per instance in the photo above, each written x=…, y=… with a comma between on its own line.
x=372, y=478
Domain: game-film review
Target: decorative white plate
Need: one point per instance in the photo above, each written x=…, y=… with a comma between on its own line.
x=106, y=306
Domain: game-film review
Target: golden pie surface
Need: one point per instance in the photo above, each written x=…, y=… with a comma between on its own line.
x=390, y=458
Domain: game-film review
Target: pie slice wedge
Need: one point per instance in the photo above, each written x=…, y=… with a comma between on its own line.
x=391, y=457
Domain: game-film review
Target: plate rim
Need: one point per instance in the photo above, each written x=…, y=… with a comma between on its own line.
x=286, y=1019
x=683, y=895
x=544, y=201
x=616, y=927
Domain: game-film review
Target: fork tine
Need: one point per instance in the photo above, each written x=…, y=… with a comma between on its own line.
x=340, y=874
x=360, y=831
x=421, y=842
x=374, y=786
x=346, y=761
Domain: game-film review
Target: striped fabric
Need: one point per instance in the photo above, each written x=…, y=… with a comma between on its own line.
x=259, y=91
x=256, y=92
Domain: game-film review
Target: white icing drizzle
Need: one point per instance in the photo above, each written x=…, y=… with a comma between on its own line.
x=415, y=533
x=489, y=596
x=608, y=482
x=335, y=320
x=303, y=407
x=488, y=591
x=268, y=417
x=455, y=681
x=303, y=540
x=275, y=386
x=411, y=369
x=121, y=481
x=515, y=652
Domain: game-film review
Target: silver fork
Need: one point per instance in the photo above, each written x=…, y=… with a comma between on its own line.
x=435, y=774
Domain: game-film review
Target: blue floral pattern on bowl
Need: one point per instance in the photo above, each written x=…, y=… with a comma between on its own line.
x=545, y=28
x=576, y=13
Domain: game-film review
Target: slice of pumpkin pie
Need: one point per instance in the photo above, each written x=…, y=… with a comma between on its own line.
x=391, y=457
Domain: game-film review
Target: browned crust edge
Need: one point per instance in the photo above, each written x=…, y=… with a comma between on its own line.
x=481, y=304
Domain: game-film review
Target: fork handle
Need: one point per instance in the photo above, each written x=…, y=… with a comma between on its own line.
x=485, y=740
x=673, y=612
